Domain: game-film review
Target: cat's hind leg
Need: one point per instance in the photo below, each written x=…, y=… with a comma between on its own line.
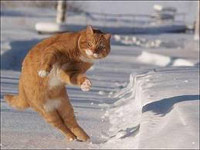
x=55, y=120
x=67, y=113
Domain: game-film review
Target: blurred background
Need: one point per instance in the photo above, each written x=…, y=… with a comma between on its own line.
x=139, y=24
x=105, y=14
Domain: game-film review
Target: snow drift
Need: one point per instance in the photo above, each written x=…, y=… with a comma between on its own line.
x=158, y=109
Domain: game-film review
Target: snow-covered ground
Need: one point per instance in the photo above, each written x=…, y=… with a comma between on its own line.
x=145, y=93
x=155, y=111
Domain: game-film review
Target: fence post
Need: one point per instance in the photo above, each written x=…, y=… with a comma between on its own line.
x=61, y=10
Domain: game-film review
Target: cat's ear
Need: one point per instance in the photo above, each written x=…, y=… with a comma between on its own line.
x=89, y=30
x=107, y=36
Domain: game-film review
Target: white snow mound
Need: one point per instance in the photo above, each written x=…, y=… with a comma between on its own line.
x=161, y=60
x=50, y=27
x=158, y=109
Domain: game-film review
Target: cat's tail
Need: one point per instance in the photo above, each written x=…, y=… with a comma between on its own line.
x=16, y=102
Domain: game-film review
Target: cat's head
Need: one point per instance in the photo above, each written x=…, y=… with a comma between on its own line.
x=94, y=44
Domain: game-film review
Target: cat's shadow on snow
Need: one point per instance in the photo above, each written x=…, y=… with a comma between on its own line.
x=12, y=59
x=164, y=106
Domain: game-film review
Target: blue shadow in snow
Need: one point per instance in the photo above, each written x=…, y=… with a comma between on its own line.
x=165, y=105
x=12, y=59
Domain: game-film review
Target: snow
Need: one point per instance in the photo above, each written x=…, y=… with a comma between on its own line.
x=147, y=113
x=137, y=7
x=161, y=60
x=49, y=27
x=143, y=95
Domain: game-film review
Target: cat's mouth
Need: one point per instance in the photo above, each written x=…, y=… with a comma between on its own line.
x=93, y=55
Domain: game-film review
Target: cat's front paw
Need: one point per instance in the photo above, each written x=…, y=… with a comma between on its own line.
x=43, y=73
x=86, y=85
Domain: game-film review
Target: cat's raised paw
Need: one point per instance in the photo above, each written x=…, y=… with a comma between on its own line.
x=43, y=73
x=86, y=85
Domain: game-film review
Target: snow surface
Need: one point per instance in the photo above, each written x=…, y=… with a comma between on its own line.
x=155, y=111
x=134, y=102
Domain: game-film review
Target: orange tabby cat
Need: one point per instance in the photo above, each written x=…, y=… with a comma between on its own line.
x=50, y=65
